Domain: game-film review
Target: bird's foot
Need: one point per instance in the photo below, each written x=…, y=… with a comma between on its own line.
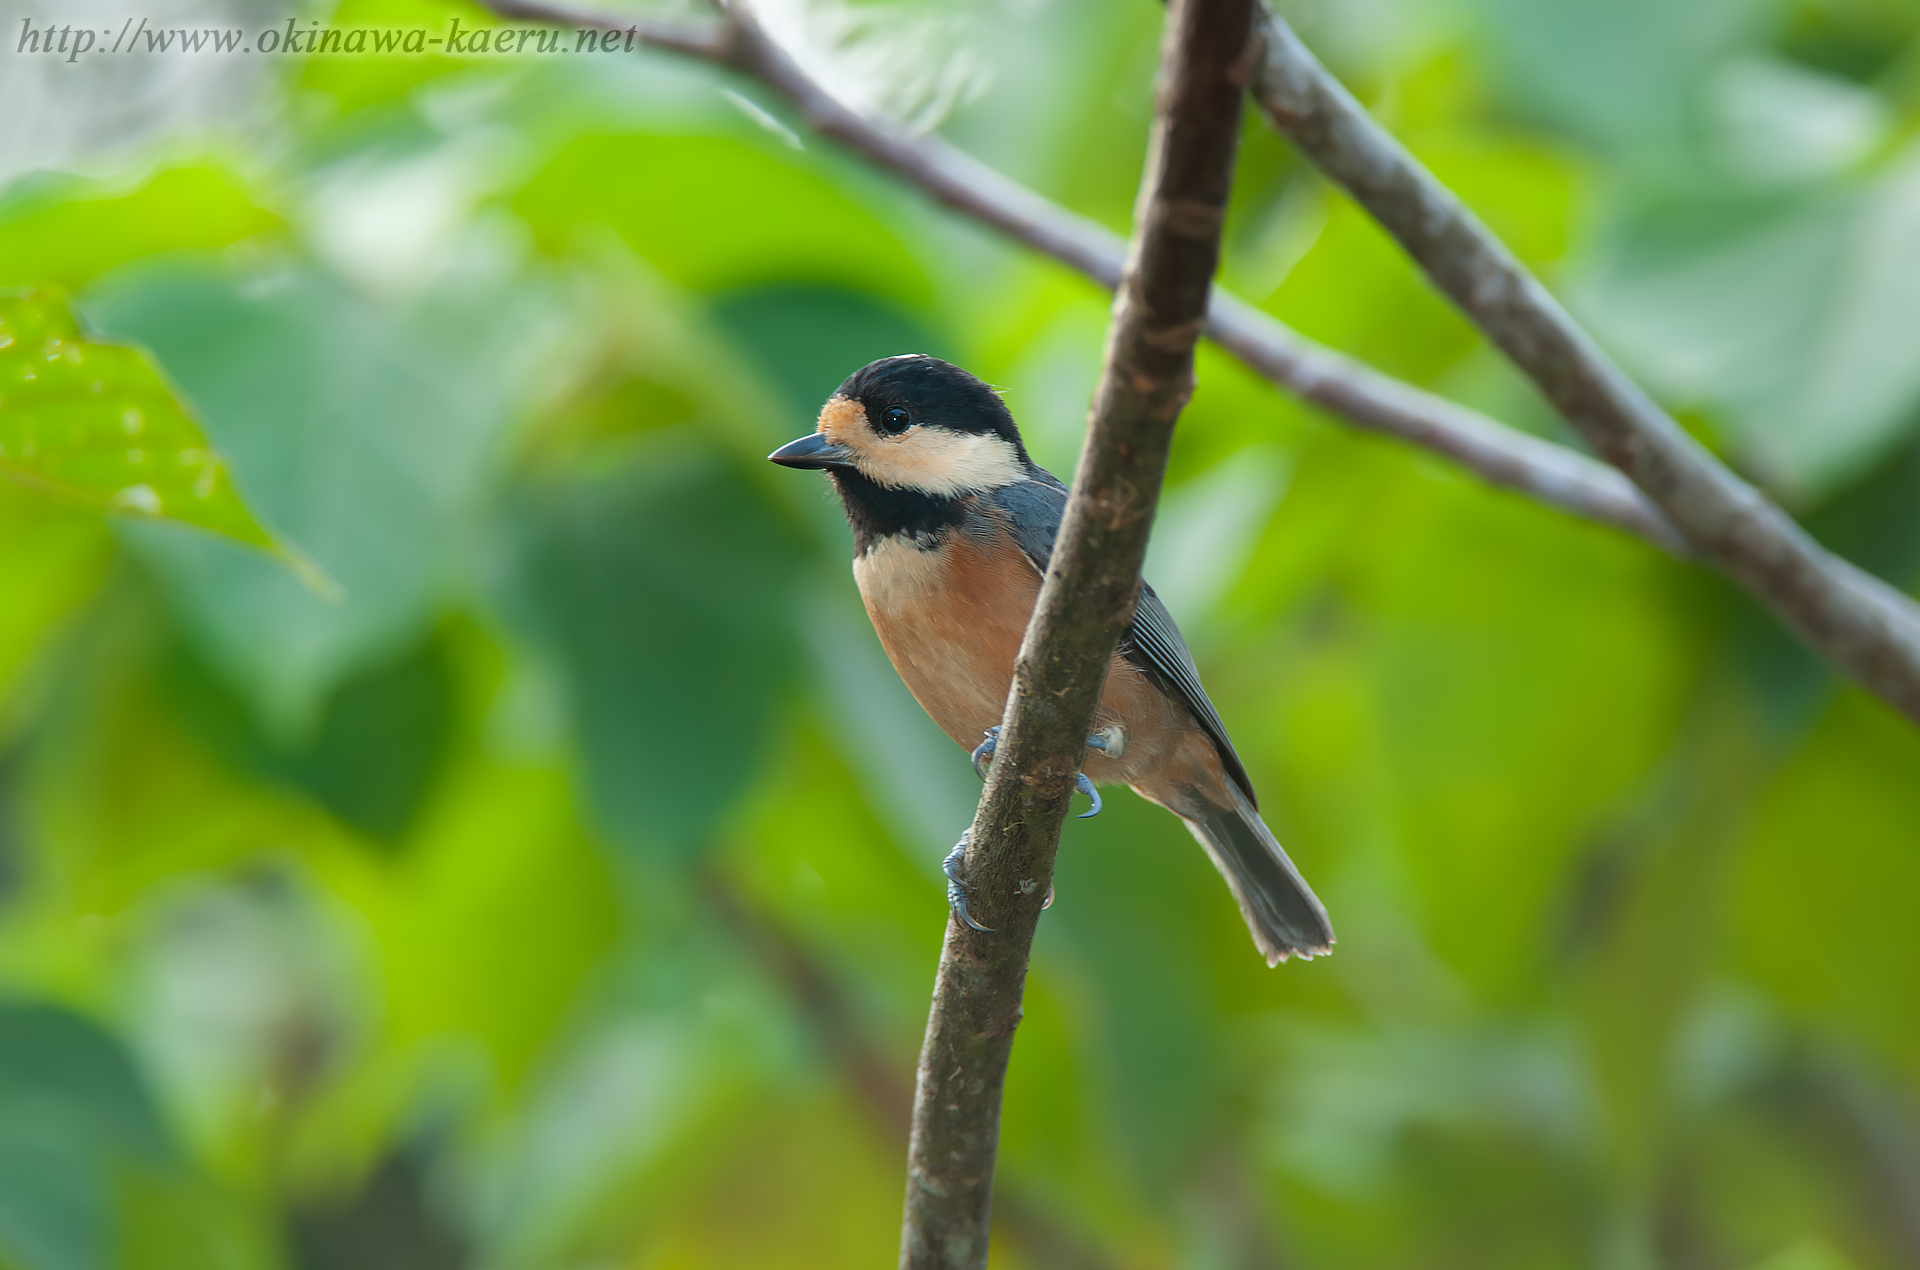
x=983, y=752
x=1112, y=742
x=1109, y=741
x=957, y=889
x=1085, y=786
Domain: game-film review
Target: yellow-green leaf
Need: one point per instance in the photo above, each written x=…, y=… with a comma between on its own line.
x=67, y=231
x=96, y=423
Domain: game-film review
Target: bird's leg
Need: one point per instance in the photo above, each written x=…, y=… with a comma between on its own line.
x=1085, y=786
x=983, y=752
x=1111, y=741
x=956, y=884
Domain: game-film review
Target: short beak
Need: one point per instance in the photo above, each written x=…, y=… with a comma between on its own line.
x=811, y=451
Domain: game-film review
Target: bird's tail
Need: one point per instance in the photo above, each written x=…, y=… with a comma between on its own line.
x=1281, y=911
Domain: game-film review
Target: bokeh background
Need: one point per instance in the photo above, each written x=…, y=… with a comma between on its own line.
x=565, y=892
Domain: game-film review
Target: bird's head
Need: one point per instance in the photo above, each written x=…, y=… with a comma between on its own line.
x=914, y=423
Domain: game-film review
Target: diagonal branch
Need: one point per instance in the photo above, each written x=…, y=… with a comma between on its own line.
x=1861, y=624
x=1084, y=605
x=869, y=1071
x=1864, y=626
x=1499, y=455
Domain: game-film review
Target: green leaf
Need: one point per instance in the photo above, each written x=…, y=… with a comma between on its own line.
x=503, y=851
x=58, y=229
x=56, y=556
x=666, y=591
x=365, y=431
x=806, y=339
x=96, y=423
x=63, y=1062
x=367, y=79
x=55, y=1213
x=1624, y=73
x=72, y=1108
x=696, y=208
x=370, y=759
x=1822, y=919
x=1790, y=320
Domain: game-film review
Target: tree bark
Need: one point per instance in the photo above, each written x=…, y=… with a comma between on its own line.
x=1084, y=606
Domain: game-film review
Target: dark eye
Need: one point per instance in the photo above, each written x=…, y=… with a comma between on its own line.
x=894, y=420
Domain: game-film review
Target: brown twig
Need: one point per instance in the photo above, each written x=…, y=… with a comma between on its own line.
x=1084, y=604
x=1499, y=455
x=1864, y=626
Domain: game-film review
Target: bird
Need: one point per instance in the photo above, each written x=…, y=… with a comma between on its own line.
x=953, y=525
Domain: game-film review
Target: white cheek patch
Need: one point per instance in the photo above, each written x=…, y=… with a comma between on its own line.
x=936, y=461
x=931, y=460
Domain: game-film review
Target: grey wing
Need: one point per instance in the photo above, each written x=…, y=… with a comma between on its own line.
x=1154, y=644
x=1032, y=510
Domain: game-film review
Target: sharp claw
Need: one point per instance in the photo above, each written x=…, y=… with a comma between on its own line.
x=983, y=752
x=1048, y=902
x=1085, y=786
x=960, y=910
x=957, y=886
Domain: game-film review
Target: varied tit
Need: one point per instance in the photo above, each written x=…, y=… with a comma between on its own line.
x=953, y=526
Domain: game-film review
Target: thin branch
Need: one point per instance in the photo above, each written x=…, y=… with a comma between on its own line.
x=1499, y=455
x=1861, y=624
x=870, y=1072
x=1087, y=597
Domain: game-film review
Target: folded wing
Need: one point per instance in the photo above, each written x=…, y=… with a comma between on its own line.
x=1032, y=509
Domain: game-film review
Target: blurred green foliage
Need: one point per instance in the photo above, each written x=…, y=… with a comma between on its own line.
x=560, y=888
x=96, y=423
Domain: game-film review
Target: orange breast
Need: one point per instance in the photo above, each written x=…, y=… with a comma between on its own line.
x=951, y=619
